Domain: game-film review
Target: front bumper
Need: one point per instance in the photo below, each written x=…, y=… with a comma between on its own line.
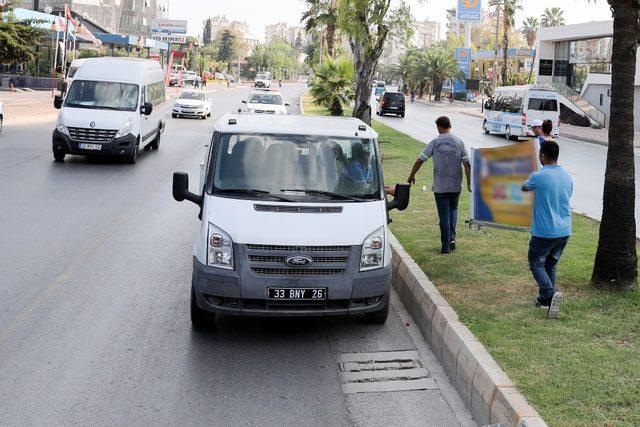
x=229, y=292
x=116, y=147
x=188, y=112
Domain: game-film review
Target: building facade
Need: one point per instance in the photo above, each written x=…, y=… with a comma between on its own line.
x=283, y=32
x=127, y=17
x=426, y=33
x=577, y=60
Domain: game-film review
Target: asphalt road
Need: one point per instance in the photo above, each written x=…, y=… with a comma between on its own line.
x=95, y=270
x=584, y=161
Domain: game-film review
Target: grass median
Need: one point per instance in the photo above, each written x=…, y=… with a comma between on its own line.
x=581, y=369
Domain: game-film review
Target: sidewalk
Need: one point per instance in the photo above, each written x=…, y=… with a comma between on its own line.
x=585, y=134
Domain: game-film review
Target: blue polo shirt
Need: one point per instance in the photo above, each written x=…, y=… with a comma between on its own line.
x=552, y=187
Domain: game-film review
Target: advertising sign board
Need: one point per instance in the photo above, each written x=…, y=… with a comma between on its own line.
x=463, y=56
x=469, y=10
x=170, y=38
x=497, y=178
x=169, y=26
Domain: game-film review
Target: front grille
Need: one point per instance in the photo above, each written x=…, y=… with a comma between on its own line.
x=291, y=248
x=325, y=260
x=297, y=271
x=92, y=135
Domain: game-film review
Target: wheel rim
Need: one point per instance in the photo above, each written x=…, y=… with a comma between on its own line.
x=507, y=132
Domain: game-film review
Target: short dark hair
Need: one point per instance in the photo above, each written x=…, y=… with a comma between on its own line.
x=443, y=122
x=551, y=150
x=547, y=127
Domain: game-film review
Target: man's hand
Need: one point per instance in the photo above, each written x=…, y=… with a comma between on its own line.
x=469, y=187
x=411, y=179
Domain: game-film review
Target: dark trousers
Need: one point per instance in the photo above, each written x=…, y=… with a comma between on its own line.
x=544, y=255
x=447, y=204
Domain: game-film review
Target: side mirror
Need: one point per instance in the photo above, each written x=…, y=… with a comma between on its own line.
x=287, y=104
x=487, y=105
x=181, y=189
x=146, y=108
x=244, y=101
x=401, y=199
x=57, y=102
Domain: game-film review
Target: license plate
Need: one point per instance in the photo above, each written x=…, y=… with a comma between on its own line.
x=90, y=146
x=297, y=294
x=188, y=111
x=393, y=108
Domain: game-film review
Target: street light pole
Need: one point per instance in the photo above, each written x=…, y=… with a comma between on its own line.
x=495, y=60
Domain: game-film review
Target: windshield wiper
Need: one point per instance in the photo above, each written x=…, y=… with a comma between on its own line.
x=327, y=194
x=252, y=192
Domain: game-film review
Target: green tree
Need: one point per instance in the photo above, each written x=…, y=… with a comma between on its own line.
x=299, y=43
x=529, y=32
x=439, y=64
x=277, y=55
x=227, y=45
x=18, y=38
x=206, y=31
x=322, y=15
x=368, y=23
x=509, y=8
x=332, y=85
x=553, y=17
x=616, y=259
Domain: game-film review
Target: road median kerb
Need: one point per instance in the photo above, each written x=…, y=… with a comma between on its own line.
x=484, y=387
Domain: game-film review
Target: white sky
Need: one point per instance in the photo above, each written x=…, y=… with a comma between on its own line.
x=257, y=15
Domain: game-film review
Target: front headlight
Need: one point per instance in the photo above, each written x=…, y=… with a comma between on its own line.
x=61, y=127
x=220, y=248
x=126, y=128
x=373, y=251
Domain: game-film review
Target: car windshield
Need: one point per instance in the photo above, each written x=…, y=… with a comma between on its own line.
x=265, y=98
x=261, y=76
x=102, y=95
x=297, y=167
x=198, y=96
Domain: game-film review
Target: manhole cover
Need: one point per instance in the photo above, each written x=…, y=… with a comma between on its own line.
x=384, y=371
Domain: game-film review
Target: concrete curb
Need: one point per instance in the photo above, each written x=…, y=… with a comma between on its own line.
x=484, y=387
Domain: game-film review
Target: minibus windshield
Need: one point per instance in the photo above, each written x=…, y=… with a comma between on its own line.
x=265, y=98
x=298, y=167
x=102, y=95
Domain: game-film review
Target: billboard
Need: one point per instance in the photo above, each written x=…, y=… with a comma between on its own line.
x=463, y=56
x=469, y=10
x=497, y=178
x=169, y=26
x=170, y=38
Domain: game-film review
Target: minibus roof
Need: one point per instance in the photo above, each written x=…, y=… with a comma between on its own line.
x=290, y=124
x=124, y=70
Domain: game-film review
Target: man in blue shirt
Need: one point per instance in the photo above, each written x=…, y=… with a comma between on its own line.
x=359, y=168
x=551, y=225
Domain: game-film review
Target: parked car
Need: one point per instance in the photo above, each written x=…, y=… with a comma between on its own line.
x=267, y=102
x=512, y=109
x=294, y=220
x=381, y=87
x=115, y=106
x=263, y=79
x=192, y=103
x=391, y=103
x=1, y=115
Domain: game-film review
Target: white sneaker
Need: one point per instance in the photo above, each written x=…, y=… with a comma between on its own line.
x=554, y=307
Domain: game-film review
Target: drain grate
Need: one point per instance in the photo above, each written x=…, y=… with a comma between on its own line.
x=384, y=371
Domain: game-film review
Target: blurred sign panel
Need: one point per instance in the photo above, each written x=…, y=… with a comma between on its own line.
x=170, y=38
x=469, y=10
x=169, y=26
x=498, y=175
x=463, y=56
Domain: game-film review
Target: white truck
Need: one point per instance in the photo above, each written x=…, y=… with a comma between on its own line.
x=263, y=79
x=294, y=220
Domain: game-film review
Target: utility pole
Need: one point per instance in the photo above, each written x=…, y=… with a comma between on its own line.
x=495, y=60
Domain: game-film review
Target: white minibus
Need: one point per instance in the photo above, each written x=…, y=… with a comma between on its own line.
x=512, y=109
x=115, y=106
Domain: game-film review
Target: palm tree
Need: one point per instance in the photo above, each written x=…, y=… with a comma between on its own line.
x=529, y=31
x=508, y=20
x=553, y=17
x=436, y=65
x=332, y=85
x=616, y=263
x=322, y=13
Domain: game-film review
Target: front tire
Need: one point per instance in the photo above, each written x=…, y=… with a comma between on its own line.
x=1, y=122
x=507, y=132
x=378, y=317
x=133, y=157
x=155, y=144
x=174, y=115
x=484, y=127
x=58, y=156
x=200, y=319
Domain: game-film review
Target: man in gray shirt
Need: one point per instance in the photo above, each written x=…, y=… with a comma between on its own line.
x=448, y=152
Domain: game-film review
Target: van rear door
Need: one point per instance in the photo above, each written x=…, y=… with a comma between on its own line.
x=543, y=105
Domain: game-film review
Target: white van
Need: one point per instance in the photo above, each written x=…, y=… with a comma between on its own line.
x=294, y=220
x=115, y=106
x=512, y=109
x=263, y=79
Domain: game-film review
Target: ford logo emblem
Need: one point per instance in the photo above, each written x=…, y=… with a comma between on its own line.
x=298, y=261
x=92, y=124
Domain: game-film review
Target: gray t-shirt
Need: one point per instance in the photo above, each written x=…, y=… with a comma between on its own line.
x=448, y=152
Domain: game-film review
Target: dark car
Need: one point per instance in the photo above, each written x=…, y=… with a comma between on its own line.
x=391, y=103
